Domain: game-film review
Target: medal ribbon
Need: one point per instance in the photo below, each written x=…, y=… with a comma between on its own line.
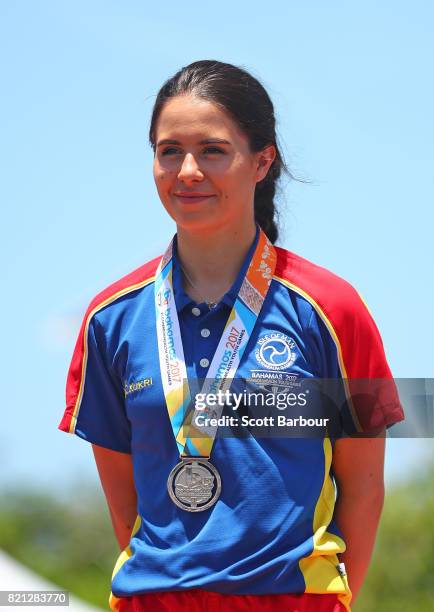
x=191, y=439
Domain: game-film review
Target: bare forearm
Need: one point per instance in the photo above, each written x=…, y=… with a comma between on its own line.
x=117, y=479
x=123, y=523
x=358, y=517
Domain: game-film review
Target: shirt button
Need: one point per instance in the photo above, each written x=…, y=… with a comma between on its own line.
x=195, y=311
x=205, y=332
x=204, y=363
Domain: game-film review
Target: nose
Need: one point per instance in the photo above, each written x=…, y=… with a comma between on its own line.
x=190, y=170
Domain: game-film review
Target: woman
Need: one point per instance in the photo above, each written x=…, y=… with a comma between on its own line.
x=207, y=522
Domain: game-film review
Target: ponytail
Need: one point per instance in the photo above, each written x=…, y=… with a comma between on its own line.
x=265, y=208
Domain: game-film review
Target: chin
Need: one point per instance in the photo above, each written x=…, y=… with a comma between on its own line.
x=198, y=225
x=199, y=220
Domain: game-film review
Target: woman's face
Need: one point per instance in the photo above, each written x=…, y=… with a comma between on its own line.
x=203, y=168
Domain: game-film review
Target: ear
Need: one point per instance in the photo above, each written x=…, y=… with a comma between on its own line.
x=263, y=161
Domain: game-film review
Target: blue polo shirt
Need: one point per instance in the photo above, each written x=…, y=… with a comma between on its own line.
x=272, y=529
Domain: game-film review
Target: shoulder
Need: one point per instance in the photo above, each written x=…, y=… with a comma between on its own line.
x=130, y=283
x=360, y=352
x=342, y=310
x=333, y=297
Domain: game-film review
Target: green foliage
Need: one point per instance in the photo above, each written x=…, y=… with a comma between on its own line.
x=72, y=544
x=401, y=575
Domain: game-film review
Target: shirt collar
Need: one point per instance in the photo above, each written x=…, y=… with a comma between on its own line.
x=183, y=300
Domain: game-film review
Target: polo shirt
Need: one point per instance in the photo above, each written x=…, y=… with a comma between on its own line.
x=272, y=530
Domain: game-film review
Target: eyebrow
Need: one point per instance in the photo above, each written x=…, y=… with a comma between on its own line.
x=202, y=142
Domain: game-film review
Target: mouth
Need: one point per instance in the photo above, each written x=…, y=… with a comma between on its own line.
x=193, y=198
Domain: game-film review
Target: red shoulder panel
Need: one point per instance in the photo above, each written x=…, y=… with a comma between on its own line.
x=358, y=341
x=76, y=372
x=136, y=277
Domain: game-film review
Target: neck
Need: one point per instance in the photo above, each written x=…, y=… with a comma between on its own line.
x=212, y=263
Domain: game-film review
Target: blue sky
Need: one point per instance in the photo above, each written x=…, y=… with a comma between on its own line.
x=353, y=94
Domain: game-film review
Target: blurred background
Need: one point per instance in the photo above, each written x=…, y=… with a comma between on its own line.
x=353, y=92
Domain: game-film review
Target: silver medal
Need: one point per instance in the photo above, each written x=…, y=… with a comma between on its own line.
x=194, y=484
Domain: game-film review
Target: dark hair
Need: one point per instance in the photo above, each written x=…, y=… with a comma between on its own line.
x=245, y=99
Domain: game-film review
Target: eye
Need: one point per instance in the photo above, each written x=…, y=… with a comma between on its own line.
x=214, y=150
x=169, y=150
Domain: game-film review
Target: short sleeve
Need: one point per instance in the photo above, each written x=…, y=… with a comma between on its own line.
x=95, y=408
x=352, y=348
x=372, y=388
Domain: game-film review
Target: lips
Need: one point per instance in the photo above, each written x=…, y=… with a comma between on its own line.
x=192, y=197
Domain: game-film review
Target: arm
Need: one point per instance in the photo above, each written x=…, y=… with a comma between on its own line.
x=358, y=466
x=116, y=473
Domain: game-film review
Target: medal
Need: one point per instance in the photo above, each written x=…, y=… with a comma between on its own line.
x=194, y=484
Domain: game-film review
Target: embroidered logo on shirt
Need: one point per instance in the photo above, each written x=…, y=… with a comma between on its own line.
x=136, y=386
x=276, y=351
